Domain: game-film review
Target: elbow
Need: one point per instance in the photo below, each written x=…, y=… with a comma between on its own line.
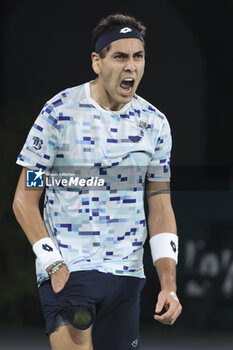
x=20, y=209
x=23, y=207
x=16, y=205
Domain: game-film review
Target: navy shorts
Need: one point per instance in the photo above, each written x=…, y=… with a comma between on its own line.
x=113, y=300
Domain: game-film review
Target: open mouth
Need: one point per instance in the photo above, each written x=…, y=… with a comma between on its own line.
x=127, y=85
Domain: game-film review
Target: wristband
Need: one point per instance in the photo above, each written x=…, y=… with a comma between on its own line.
x=46, y=252
x=164, y=245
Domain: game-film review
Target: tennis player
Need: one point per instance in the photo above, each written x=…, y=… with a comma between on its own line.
x=89, y=244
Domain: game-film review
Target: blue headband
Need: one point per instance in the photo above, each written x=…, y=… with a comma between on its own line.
x=116, y=33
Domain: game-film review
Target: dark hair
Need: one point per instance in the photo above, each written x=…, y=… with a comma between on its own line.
x=112, y=21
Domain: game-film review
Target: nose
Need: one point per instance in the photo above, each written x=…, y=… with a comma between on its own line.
x=130, y=65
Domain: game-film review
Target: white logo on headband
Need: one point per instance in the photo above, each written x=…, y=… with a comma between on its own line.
x=125, y=30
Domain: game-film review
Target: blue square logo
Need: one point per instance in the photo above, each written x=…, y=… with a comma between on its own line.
x=35, y=178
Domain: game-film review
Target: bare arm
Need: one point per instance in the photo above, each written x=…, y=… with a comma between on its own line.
x=27, y=212
x=161, y=219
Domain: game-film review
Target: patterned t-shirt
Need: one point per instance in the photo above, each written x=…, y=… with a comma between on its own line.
x=98, y=225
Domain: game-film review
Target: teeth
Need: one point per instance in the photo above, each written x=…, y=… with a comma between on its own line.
x=128, y=79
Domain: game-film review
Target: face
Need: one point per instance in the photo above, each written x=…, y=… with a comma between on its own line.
x=119, y=72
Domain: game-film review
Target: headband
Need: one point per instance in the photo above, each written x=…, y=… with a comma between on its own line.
x=116, y=33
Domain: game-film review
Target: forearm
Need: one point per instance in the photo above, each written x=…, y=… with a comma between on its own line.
x=29, y=218
x=166, y=269
x=27, y=212
x=162, y=221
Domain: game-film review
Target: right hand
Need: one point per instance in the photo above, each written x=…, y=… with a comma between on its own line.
x=59, y=279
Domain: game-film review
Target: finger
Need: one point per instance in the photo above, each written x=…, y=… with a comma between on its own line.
x=164, y=317
x=160, y=303
x=159, y=319
x=61, y=275
x=179, y=309
x=170, y=316
x=57, y=285
x=171, y=308
x=59, y=279
x=176, y=315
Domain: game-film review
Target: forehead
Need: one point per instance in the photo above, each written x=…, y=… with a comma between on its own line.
x=127, y=45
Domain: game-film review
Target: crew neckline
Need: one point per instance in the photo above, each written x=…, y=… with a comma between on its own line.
x=95, y=103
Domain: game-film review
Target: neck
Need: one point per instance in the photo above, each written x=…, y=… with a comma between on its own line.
x=102, y=97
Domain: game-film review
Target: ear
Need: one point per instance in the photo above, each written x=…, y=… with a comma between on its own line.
x=95, y=62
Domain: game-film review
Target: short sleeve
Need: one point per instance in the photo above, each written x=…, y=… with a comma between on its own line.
x=159, y=167
x=41, y=144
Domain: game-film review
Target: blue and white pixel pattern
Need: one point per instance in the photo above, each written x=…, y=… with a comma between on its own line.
x=105, y=229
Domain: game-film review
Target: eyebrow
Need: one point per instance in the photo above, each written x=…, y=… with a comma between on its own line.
x=126, y=54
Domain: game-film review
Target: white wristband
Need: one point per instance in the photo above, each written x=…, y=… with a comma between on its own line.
x=46, y=252
x=164, y=245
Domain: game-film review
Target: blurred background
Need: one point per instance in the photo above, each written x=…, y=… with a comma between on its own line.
x=189, y=65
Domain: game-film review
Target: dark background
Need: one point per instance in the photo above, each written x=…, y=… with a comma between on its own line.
x=189, y=66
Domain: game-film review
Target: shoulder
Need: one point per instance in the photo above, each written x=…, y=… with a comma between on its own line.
x=68, y=97
x=61, y=107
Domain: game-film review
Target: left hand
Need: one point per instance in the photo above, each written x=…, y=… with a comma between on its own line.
x=170, y=301
x=59, y=279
